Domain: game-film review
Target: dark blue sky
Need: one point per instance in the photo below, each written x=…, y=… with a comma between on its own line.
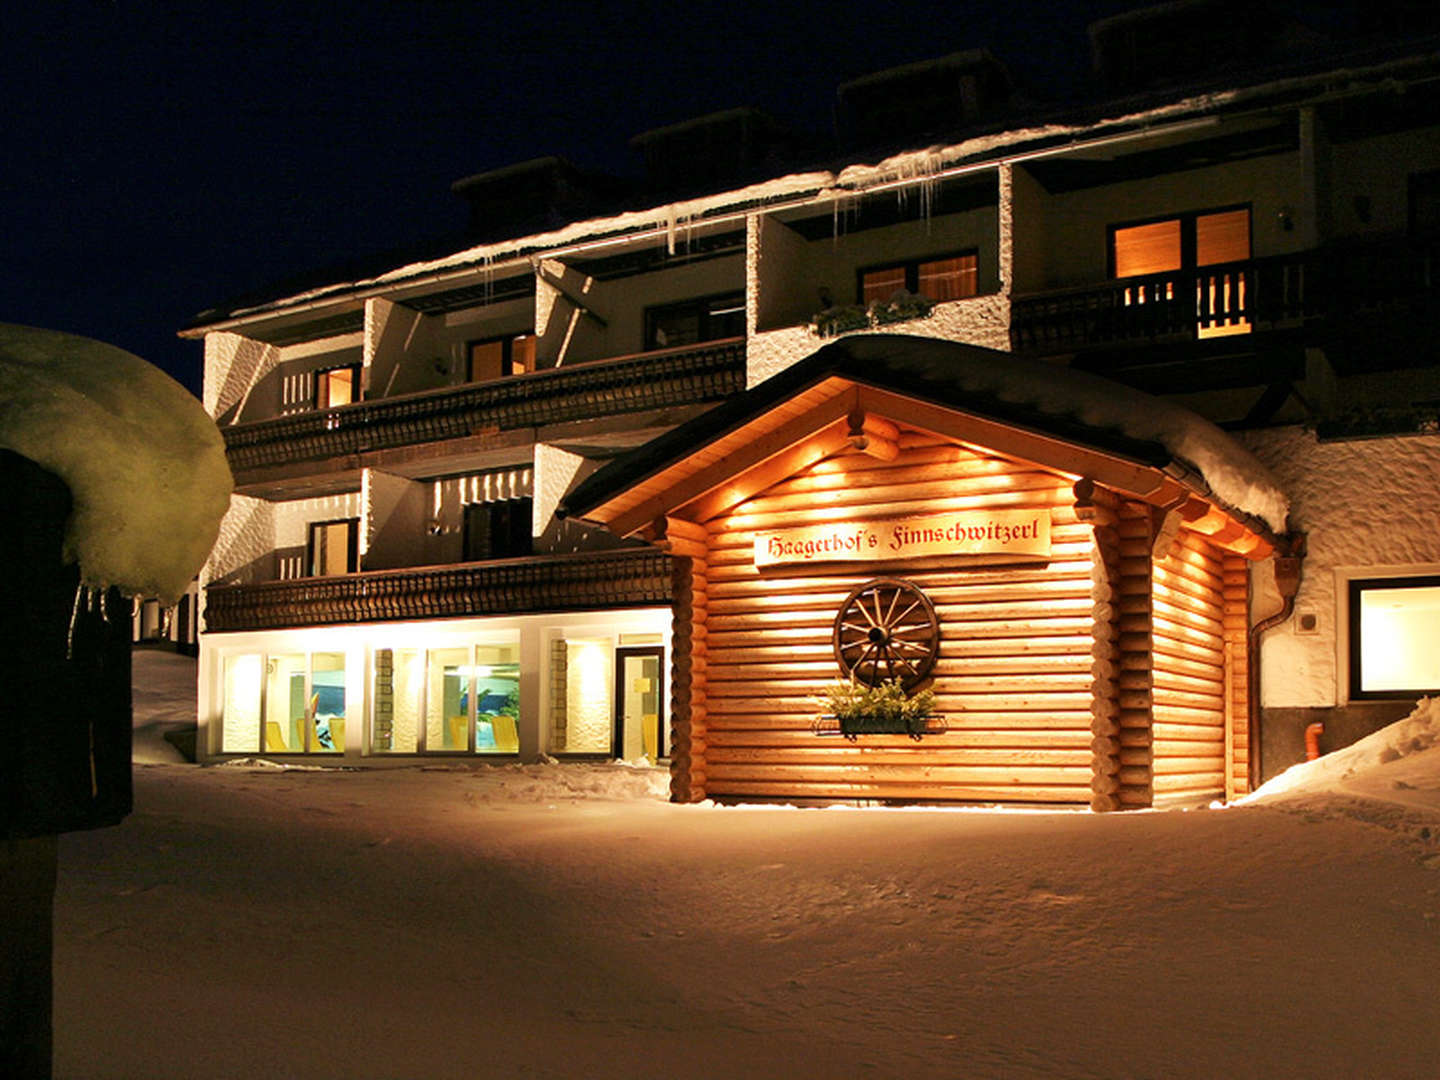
x=163, y=158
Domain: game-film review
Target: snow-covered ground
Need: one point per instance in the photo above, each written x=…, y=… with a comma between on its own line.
x=560, y=921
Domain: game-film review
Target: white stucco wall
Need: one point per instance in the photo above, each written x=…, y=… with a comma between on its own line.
x=1369, y=508
x=247, y=534
x=233, y=364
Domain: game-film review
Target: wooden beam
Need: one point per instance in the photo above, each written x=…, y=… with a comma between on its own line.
x=1141, y=481
x=773, y=468
x=575, y=302
x=1167, y=530
x=731, y=457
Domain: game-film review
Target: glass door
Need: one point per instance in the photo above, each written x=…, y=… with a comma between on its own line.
x=640, y=703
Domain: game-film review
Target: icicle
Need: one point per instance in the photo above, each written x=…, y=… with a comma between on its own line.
x=74, y=618
x=670, y=229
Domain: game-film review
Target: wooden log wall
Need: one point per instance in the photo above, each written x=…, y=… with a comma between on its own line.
x=1135, y=539
x=687, y=682
x=1189, y=671
x=1235, y=574
x=1120, y=749
x=1014, y=679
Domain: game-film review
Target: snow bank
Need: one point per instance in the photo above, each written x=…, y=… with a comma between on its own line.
x=1417, y=734
x=144, y=463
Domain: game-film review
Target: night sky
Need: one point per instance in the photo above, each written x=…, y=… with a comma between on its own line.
x=161, y=159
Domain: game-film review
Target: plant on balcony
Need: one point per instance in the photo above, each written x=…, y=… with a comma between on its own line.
x=900, y=307
x=882, y=709
x=843, y=318
x=840, y=319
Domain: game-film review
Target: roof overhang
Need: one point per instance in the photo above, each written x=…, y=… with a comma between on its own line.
x=821, y=404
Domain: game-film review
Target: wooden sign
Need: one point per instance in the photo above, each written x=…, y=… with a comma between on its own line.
x=1005, y=532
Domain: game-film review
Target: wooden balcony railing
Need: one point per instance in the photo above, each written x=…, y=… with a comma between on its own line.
x=1331, y=285
x=625, y=578
x=698, y=373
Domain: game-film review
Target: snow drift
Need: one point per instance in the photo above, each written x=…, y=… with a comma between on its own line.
x=1418, y=733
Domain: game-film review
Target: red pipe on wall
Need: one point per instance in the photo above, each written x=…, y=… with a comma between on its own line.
x=1312, y=740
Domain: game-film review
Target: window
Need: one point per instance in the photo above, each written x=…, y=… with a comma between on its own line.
x=1188, y=242
x=332, y=547
x=290, y=703
x=709, y=318
x=496, y=358
x=952, y=277
x=498, y=530
x=458, y=700
x=337, y=386
x=1394, y=637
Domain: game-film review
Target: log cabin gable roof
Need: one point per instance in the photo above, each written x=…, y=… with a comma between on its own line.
x=821, y=404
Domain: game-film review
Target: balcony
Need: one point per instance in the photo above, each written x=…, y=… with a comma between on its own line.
x=1370, y=306
x=670, y=377
x=627, y=578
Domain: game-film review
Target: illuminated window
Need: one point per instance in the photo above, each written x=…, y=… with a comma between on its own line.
x=495, y=358
x=1188, y=242
x=498, y=530
x=337, y=386
x=332, y=547
x=708, y=318
x=456, y=700
x=952, y=277
x=285, y=703
x=1394, y=637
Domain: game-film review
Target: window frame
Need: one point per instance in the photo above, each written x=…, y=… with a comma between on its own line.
x=912, y=271
x=703, y=303
x=1188, y=245
x=422, y=701
x=319, y=377
x=1354, y=587
x=262, y=703
x=489, y=507
x=507, y=354
x=352, y=545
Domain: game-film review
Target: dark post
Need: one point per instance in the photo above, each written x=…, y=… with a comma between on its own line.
x=65, y=731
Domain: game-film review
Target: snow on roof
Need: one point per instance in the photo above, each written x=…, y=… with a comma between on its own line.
x=144, y=463
x=916, y=165
x=1354, y=767
x=1075, y=405
x=1229, y=470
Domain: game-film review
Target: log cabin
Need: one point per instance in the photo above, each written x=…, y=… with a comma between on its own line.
x=1073, y=594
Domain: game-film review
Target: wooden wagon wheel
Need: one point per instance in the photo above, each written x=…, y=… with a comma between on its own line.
x=887, y=629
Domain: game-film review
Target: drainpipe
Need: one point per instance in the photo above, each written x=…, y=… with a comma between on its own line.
x=1287, y=580
x=1312, y=740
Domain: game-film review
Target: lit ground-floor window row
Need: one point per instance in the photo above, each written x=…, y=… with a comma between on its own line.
x=590, y=684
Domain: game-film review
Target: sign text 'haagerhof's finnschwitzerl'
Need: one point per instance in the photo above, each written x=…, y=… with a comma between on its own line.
x=1006, y=532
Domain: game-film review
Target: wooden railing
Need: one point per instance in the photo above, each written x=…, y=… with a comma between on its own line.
x=625, y=578
x=1334, y=283
x=685, y=376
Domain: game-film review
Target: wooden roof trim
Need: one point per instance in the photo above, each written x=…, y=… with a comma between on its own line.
x=727, y=475
x=1140, y=481
x=732, y=447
